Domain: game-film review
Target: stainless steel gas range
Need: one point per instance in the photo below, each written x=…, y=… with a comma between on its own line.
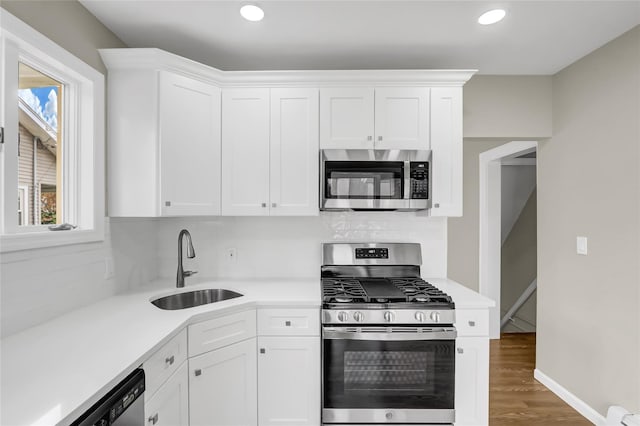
x=388, y=341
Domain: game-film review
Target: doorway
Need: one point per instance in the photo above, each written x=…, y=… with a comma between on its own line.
x=491, y=214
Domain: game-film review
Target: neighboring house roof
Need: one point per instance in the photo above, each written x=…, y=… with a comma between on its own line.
x=37, y=126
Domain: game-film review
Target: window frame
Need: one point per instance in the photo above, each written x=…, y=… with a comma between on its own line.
x=83, y=122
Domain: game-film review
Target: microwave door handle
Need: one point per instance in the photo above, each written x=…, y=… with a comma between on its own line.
x=407, y=180
x=445, y=334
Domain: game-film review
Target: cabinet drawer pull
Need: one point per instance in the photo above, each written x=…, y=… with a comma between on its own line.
x=274, y=205
x=379, y=138
x=198, y=372
x=170, y=360
x=263, y=350
x=264, y=205
x=369, y=138
x=436, y=205
x=167, y=203
x=460, y=350
x=472, y=323
x=287, y=323
x=153, y=419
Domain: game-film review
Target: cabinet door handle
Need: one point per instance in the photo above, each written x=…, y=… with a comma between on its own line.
x=153, y=419
x=379, y=138
x=472, y=323
x=460, y=350
x=170, y=360
x=167, y=203
x=436, y=205
x=274, y=205
x=198, y=372
x=264, y=205
x=369, y=138
x=287, y=323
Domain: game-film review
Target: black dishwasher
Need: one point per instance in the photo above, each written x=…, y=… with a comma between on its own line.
x=121, y=406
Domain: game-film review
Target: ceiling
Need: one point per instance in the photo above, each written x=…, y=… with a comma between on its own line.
x=536, y=37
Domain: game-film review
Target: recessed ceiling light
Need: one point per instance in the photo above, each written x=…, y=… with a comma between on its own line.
x=491, y=17
x=251, y=12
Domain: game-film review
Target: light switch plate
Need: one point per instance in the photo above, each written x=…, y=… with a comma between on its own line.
x=581, y=245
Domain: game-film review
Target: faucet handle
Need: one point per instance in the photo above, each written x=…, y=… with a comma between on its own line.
x=189, y=273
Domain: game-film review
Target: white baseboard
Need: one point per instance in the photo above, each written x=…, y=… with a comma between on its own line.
x=576, y=403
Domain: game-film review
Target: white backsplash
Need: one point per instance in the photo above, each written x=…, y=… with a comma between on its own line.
x=38, y=285
x=290, y=246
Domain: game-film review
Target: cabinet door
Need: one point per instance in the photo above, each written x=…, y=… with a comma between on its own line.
x=222, y=386
x=402, y=118
x=346, y=118
x=289, y=381
x=189, y=114
x=472, y=381
x=446, y=144
x=245, y=152
x=169, y=406
x=294, y=152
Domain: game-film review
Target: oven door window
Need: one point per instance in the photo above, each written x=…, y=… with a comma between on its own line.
x=389, y=374
x=364, y=179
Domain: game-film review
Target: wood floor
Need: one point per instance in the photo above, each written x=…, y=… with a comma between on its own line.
x=515, y=397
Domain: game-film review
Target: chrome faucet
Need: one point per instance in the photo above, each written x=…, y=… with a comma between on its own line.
x=191, y=253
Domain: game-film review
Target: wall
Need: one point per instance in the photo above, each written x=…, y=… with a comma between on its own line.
x=588, y=185
x=518, y=266
x=290, y=246
x=69, y=24
x=37, y=285
x=464, y=232
x=508, y=107
x=517, y=184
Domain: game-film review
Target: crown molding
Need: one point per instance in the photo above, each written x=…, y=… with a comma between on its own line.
x=157, y=59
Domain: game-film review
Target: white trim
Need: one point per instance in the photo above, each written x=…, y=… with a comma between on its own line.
x=159, y=59
x=576, y=403
x=490, y=216
x=520, y=162
x=32, y=47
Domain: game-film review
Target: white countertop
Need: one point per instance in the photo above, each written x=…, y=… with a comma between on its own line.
x=54, y=372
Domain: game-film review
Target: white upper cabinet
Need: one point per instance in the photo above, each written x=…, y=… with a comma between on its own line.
x=446, y=146
x=245, y=150
x=402, y=118
x=294, y=152
x=163, y=150
x=189, y=122
x=346, y=118
x=381, y=118
x=270, y=152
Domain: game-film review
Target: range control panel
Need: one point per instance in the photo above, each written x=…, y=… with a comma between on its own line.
x=372, y=253
x=419, y=175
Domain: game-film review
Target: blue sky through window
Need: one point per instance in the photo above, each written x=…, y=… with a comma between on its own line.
x=44, y=101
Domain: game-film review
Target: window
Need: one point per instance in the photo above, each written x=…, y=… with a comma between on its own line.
x=52, y=152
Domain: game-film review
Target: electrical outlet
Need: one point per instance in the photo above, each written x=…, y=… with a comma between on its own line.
x=108, y=268
x=232, y=255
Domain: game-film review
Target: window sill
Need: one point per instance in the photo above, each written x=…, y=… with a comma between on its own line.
x=38, y=240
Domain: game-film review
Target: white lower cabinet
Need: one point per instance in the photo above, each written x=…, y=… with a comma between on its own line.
x=472, y=374
x=223, y=386
x=169, y=406
x=288, y=381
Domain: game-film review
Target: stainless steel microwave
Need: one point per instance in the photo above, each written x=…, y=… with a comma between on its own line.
x=361, y=179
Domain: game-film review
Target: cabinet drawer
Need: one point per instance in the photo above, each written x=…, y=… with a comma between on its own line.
x=165, y=362
x=288, y=322
x=216, y=333
x=472, y=322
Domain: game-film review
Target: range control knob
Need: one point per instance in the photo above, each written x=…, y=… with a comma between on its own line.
x=435, y=316
x=358, y=316
x=388, y=316
x=343, y=316
x=420, y=316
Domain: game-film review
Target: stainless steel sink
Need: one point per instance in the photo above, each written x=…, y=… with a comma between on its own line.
x=194, y=298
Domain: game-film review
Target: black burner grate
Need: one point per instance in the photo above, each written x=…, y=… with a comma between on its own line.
x=343, y=290
x=418, y=290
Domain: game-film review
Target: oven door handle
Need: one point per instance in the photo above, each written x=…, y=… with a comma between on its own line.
x=444, y=334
